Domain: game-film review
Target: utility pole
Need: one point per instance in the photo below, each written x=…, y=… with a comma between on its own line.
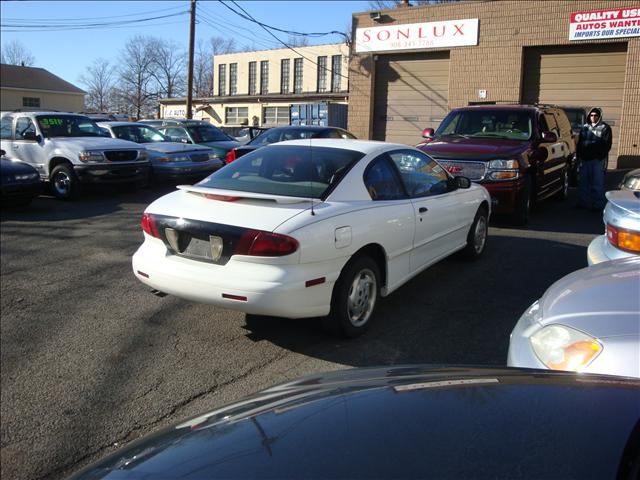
x=192, y=35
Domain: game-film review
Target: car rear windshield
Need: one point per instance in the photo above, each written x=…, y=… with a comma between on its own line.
x=207, y=133
x=68, y=126
x=287, y=170
x=138, y=134
x=507, y=124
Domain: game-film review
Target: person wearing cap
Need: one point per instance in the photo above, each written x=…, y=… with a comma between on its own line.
x=593, y=148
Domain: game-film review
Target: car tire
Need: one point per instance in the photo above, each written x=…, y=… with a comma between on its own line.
x=477, y=236
x=354, y=299
x=63, y=182
x=523, y=208
x=563, y=193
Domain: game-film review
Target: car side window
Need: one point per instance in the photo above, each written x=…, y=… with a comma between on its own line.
x=267, y=137
x=177, y=135
x=5, y=128
x=331, y=134
x=24, y=128
x=421, y=175
x=381, y=180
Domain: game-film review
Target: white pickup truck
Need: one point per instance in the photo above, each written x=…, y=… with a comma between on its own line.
x=69, y=149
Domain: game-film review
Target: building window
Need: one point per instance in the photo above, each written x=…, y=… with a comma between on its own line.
x=322, y=74
x=252, y=78
x=297, y=75
x=31, y=102
x=284, y=76
x=233, y=79
x=222, y=79
x=264, y=77
x=236, y=116
x=336, y=72
x=275, y=116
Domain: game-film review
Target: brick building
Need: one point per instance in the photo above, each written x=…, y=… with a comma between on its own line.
x=409, y=66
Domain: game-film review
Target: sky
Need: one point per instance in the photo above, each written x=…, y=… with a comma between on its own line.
x=56, y=32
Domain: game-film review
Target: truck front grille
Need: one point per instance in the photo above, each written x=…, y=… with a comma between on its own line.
x=121, y=155
x=474, y=171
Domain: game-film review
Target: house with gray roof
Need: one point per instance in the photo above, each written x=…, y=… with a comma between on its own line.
x=31, y=88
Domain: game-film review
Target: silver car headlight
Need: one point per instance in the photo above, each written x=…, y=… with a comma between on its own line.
x=89, y=157
x=564, y=348
x=503, y=170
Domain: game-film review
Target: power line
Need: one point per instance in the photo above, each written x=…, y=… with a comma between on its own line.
x=91, y=18
x=206, y=18
x=87, y=26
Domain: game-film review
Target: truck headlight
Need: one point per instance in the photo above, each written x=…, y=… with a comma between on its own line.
x=564, y=348
x=91, y=157
x=503, y=170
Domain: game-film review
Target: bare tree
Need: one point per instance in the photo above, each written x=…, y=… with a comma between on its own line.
x=137, y=85
x=99, y=82
x=15, y=53
x=297, y=41
x=169, y=68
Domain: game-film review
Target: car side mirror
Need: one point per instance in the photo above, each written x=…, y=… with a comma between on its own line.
x=428, y=133
x=459, y=182
x=2, y=153
x=549, y=137
x=31, y=136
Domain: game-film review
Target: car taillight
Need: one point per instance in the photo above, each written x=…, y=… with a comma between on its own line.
x=626, y=240
x=149, y=226
x=231, y=155
x=265, y=244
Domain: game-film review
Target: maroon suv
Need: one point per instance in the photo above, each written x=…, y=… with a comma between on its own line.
x=519, y=153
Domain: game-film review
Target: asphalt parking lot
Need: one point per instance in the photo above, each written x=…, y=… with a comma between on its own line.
x=91, y=360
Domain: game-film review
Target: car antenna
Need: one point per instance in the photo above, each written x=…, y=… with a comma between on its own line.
x=310, y=179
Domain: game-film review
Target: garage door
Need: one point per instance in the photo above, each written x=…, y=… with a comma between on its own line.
x=581, y=75
x=411, y=94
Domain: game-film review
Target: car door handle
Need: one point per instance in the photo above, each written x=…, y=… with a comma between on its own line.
x=422, y=209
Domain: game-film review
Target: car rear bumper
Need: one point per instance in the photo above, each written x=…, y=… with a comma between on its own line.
x=112, y=173
x=504, y=195
x=267, y=289
x=600, y=250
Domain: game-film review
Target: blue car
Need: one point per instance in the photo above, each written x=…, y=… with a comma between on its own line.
x=170, y=161
x=20, y=182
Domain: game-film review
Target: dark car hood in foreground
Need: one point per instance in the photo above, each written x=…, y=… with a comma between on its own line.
x=14, y=167
x=401, y=422
x=473, y=148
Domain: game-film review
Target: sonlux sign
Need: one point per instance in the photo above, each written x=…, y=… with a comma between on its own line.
x=450, y=33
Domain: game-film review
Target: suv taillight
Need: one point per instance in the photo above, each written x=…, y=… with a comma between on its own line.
x=149, y=226
x=265, y=244
x=626, y=240
x=231, y=156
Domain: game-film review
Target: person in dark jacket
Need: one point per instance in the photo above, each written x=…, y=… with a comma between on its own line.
x=593, y=148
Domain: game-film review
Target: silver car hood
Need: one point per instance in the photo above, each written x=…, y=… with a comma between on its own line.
x=175, y=147
x=603, y=300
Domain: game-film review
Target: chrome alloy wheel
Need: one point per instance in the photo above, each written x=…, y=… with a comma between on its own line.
x=362, y=297
x=62, y=183
x=480, y=234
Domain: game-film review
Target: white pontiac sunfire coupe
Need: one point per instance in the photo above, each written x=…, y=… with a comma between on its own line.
x=310, y=228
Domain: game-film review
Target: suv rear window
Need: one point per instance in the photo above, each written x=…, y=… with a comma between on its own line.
x=207, y=133
x=507, y=124
x=288, y=170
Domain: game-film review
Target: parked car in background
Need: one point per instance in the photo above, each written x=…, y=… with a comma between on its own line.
x=520, y=153
x=404, y=422
x=68, y=150
x=198, y=132
x=289, y=132
x=621, y=236
x=19, y=182
x=588, y=321
x=631, y=180
x=310, y=228
x=577, y=118
x=169, y=160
